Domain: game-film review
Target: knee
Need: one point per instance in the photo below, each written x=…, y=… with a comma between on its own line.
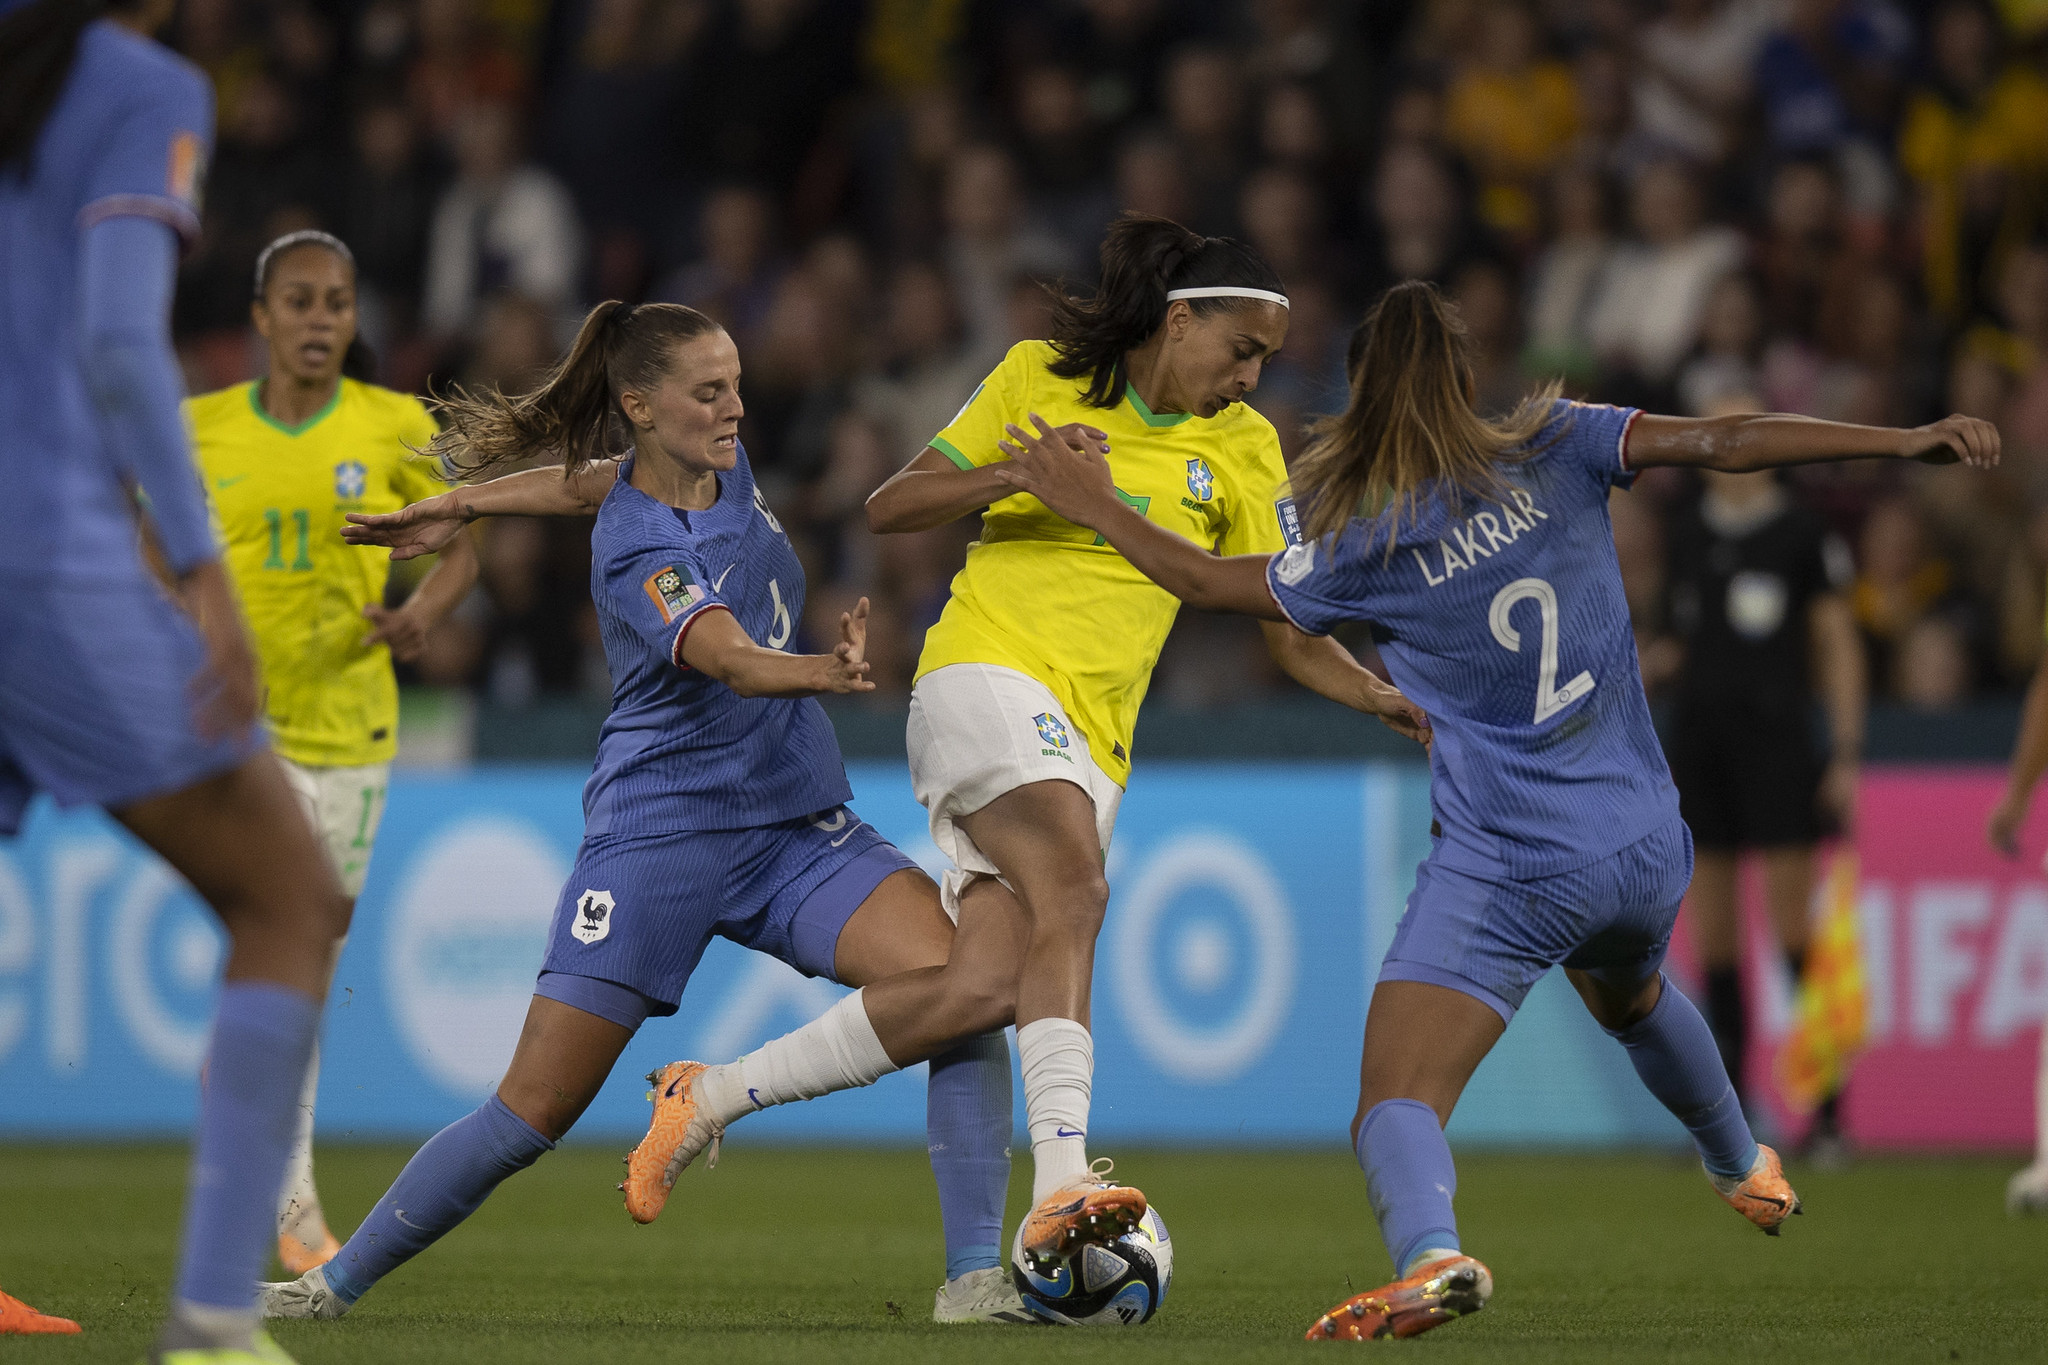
x=1073, y=909
x=978, y=1002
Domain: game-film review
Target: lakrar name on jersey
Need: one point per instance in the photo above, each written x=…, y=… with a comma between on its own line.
x=1480, y=536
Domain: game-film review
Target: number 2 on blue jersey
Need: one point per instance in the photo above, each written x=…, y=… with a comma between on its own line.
x=1550, y=698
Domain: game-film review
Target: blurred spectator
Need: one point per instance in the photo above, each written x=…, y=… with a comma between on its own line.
x=387, y=206
x=1485, y=296
x=1283, y=216
x=1512, y=113
x=1150, y=179
x=1061, y=154
x=1419, y=229
x=1694, y=73
x=1828, y=81
x=1802, y=239
x=798, y=383
x=991, y=242
x=1725, y=370
x=926, y=370
x=758, y=85
x=1975, y=142
x=1119, y=45
x=1931, y=671
x=1900, y=581
x=1204, y=96
x=505, y=224
x=459, y=64
x=734, y=276
x=1567, y=275
x=1645, y=315
x=515, y=347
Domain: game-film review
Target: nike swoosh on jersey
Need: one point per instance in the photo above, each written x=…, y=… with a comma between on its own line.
x=718, y=583
x=848, y=835
x=399, y=1214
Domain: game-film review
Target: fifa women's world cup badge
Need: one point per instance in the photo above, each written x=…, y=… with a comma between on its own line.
x=673, y=592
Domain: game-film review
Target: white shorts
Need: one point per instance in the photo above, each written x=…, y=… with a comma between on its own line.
x=345, y=805
x=977, y=731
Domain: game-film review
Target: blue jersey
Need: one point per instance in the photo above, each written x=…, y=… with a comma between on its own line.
x=681, y=751
x=128, y=136
x=1506, y=622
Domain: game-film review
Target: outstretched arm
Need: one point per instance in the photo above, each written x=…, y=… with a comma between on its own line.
x=431, y=523
x=1074, y=481
x=717, y=646
x=932, y=490
x=1751, y=441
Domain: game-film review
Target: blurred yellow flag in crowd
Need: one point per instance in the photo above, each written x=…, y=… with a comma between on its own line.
x=1831, y=1014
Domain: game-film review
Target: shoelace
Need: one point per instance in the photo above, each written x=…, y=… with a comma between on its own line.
x=1100, y=1168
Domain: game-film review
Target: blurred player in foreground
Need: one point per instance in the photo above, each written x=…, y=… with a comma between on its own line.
x=109, y=693
x=1759, y=610
x=284, y=458
x=717, y=807
x=1027, y=693
x=1482, y=554
x=2028, y=1190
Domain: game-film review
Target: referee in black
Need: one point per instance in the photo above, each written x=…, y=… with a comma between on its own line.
x=1758, y=608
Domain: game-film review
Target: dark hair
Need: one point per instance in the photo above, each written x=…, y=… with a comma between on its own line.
x=37, y=45
x=575, y=412
x=1410, y=427
x=358, y=361
x=1142, y=258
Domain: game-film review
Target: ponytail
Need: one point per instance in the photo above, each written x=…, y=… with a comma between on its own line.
x=1410, y=426
x=1142, y=258
x=38, y=43
x=574, y=415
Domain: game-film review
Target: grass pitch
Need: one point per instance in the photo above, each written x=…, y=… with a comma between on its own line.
x=797, y=1254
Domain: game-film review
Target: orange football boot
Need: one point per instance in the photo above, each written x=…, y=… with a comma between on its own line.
x=1091, y=1209
x=1431, y=1297
x=1763, y=1196
x=299, y=1257
x=679, y=1130
x=18, y=1319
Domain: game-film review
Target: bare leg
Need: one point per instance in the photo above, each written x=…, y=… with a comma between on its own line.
x=563, y=1058
x=926, y=984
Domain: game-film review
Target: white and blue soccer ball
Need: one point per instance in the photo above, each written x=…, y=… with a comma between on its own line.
x=1115, y=1284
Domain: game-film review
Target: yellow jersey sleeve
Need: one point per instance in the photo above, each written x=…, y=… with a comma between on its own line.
x=1261, y=515
x=416, y=476
x=969, y=440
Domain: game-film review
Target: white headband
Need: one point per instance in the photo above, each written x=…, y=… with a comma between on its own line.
x=1227, y=291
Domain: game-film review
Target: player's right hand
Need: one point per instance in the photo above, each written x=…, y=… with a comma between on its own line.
x=225, y=693
x=847, y=666
x=421, y=529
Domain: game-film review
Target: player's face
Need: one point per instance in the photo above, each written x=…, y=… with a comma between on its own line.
x=1215, y=361
x=308, y=314
x=694, y=415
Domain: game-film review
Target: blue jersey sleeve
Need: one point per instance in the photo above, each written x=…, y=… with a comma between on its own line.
x=1592, y=437
x=660, y=593
x=152, y=163
x=1320, y=584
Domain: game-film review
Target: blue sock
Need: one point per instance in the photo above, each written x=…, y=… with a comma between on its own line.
x=1410, y=1178
x=1673, y=1051
x=443, y=1184
x=248, y=1115
x=967, y=1122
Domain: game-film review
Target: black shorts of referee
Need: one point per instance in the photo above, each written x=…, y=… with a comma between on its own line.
x=1746, y=779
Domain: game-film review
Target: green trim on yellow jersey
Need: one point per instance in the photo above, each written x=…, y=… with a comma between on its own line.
x=1154, y=419
x=280, y=496
x=1040, y=595
x=288, y=428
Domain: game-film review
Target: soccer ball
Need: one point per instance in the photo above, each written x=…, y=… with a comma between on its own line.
x=1120, y=1284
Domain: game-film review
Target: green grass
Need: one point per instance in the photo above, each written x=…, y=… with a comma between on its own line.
x=833, y=1255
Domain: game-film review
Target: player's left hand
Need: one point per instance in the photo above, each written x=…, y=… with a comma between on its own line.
x=398, y=627
x=848, y=667
x=1063, y=467
x=1955, y=438
x=1396, y=712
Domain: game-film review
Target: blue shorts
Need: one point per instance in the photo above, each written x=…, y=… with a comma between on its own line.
x=1494, y=939
x=638, y=910
x=95, y=697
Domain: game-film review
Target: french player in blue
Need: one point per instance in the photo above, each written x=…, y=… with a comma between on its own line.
x=1482, y=555
x=717, y=807
x=113, y=692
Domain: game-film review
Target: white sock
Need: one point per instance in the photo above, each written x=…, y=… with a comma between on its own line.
x=298, y=1211
x=838, y=1050
x=1059, y=1070
x=225, y=1327
x=2041, y=1103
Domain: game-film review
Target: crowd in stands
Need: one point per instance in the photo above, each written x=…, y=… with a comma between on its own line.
x=1830, y=207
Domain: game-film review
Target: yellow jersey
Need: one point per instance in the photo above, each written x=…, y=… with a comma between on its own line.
x=280, y=494
x=1045, y=597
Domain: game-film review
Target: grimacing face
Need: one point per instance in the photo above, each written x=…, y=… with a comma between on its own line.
x=307, y=313
x=694, y=414
x=1215, y=361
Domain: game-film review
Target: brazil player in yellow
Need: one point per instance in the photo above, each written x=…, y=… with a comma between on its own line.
x=285, y=458
x=1026, y=698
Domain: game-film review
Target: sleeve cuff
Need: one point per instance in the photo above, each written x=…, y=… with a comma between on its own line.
x=1621, y=442
x=951, y=452
x=170, y=212
x=1274, y=593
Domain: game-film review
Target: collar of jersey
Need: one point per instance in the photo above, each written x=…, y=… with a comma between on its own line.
x=256, y=404
x=1151, y=418
x=681, y=514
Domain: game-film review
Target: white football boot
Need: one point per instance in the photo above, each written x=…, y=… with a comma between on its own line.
x=984, y=1295
x=306, y=1297
x=2027, y=1192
